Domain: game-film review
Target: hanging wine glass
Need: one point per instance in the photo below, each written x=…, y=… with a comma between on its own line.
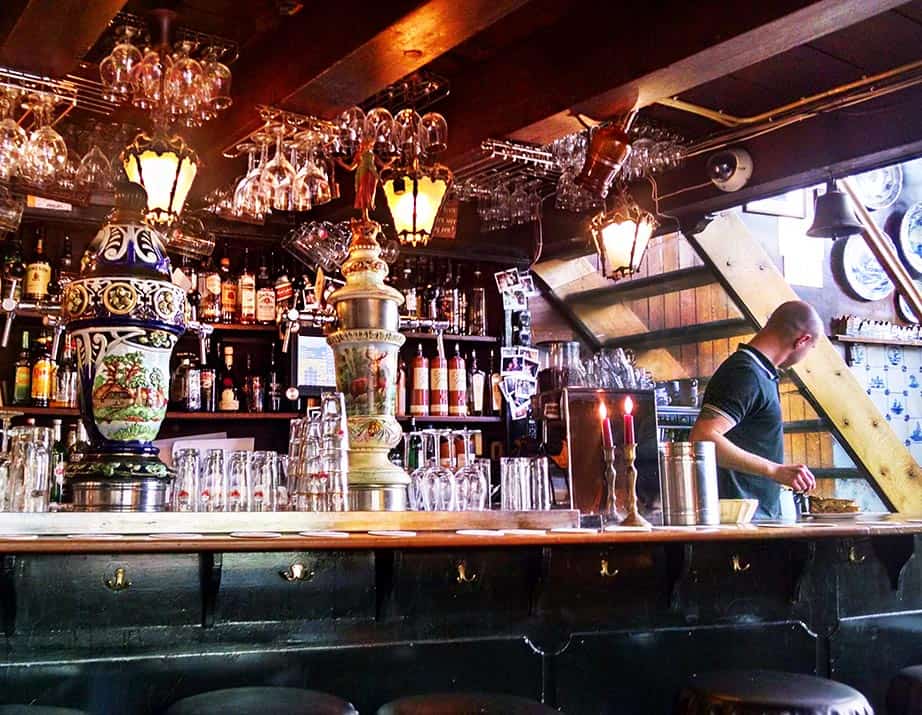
x=184, y=84
x=217, y=79
x=147, y=79
x=433, y=133
x=406, y=131
x=13, y=137
x=248, y=197
x=46, y=152
x=350, y=128
x=94, y=170
x=379, y=127
x=277, y=177
x=116, y=69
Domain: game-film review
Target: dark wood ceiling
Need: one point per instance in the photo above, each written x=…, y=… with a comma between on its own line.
x=516, y=67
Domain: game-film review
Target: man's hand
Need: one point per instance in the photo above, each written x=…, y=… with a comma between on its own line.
x=796, y=476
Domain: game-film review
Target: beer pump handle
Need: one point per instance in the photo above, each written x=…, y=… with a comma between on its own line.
x=9, y=306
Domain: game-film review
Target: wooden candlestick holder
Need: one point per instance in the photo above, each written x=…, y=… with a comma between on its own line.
x=633, y=517
x=608, y=507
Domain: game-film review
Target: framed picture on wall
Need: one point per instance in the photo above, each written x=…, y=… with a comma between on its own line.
x=792, y=204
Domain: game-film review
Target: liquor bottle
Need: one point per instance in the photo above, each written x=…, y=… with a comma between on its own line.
x=207, y=381
x=457, y=384
x=70, y=443
x=58, y=461
x=433, y=294
x=284, y=293
x=476, y=385
x=447, y=299
x=495, y=402
x=66, y=272
x=254, y=388
x=461, y=298
x=13, y=268
x=22, y=375
x=274, y=388
x=82, y=445
x=410, y=292
x=438, y=383
x=42, y=368
x=401, y=388
x=38, y=271
x=228, y=289
x=229, y=395
x=185, y=386
x=419, y=371
x=246, y=292
x=477, y=306
x=265, y=294
x=65, y=381
x=209, y=310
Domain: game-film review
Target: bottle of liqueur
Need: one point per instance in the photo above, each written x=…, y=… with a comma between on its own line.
x=57, y=465
x=228, y=386
x=419, y=371
x=447, y=298
x=209, y=310
x=476, y=385
x=38, y=270
x=14, y=270
x=457, y=384
x=274, y=386
x=228, y=289
x=410, y=292
x=65, y=381
x=401, y=388
x=284, y=293
x=461, y=300
x=477, y=306
x=22, y=375
x=246, y=292
x=207, y=381
x=495, y=403
x=70, y=442
x=438, y=383
x=66, y=272
x=42, y=370
x=265, y=294
x=433, y=294
x=254, y=387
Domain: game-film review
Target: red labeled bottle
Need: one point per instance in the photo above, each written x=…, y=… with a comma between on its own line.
x=419, y=373
x=438, y=384
x=457, y=384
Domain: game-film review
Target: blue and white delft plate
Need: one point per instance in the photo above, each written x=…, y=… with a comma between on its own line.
x=880, y=188
x=863, y=273
x=902, y=307
x=911, y=237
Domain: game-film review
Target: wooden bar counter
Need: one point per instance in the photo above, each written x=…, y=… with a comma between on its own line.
x=589, y=622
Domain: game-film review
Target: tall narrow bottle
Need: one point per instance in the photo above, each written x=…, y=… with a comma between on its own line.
x=58, y=462
x=65, y=382
x=22, y=376
x=274, y=386
x=254, y=387
x=209, y=310
x=410, y=291
x=246, y=292
x=401, y=388
x=461, y=299
x=447, y=299
x=66, y=271
x=477, y=305
x=476, y=385
x=42, y=369
x=438, y=383
x=496, y=396
x=38, y=270
x=284, y=293
x=14, y=270
x=208, y=381
x=419, y=371
x=228, y=289
x=457, y=384
x=265, y=294
x=229, y=395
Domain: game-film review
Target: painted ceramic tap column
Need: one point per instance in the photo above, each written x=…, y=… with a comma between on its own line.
x=365, y=346
x=125, y=315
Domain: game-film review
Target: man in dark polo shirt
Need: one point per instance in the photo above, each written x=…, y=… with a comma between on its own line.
x=741, y=411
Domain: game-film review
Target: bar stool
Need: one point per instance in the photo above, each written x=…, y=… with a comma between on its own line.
x=38, y=710
x=768, y=692
x=465, y=704
x=904, y=696
x=262, y=701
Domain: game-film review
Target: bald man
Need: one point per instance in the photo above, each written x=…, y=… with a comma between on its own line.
x=741, y=412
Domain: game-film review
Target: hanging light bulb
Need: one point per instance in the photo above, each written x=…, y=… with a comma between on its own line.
x=621, y=237
x=165, y=166
x=414, y=196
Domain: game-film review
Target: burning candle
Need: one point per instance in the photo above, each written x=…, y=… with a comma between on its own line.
x=607, y=440
x=628, y=421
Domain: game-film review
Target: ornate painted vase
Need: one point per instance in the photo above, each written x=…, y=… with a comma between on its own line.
x=125, y=315
x=365, y=348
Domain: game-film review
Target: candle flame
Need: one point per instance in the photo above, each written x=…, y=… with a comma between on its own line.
x=628, y=406
x=603, y=411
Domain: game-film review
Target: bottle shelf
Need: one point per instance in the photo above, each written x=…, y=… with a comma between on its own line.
x=453, y=419
x=451, y=337
x=73, y=412
x=244, y=327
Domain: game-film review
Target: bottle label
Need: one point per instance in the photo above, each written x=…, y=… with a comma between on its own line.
x=206, y=379
x=246, y=294
x=228, y=297
x=23, y=385
x=265, y=305
x=438, y=389
x=229, y=402
x=193, y=390
x=457, y=390
x=477, y=385
x=496, y=380
x=410, y=304
x=213, y=284
x=283, y=291
x=41, y=379
x=419, y=400
x=38, y=275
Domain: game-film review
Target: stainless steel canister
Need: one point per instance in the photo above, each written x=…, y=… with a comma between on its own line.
x=688, y=474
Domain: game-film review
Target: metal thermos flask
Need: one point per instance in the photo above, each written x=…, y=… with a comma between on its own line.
x=688, y=474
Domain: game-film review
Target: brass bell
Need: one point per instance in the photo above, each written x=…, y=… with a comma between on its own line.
x=833, y=216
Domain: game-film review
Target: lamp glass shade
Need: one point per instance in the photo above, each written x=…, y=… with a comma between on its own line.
x=414, y=198
x=166, y=168
x=621, y=237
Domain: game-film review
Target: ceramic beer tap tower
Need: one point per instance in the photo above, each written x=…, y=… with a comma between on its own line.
x=125, y=315
x=365, y=345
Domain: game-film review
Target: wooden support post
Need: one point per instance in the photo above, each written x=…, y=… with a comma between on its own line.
x=750, y=276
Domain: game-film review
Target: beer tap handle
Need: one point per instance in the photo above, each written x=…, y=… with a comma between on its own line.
x=9, y=306
x=51, y=321
x=292, y=325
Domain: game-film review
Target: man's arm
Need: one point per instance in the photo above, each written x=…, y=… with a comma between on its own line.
x=712, y=426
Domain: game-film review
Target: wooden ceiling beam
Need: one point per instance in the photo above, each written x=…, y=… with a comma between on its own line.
x=604, y=58
x=48, y=37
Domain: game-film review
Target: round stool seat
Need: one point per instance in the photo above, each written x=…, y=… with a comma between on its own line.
x=38, y=710
x=904, y=696
x=464, y=704
x=766, y=692
x=262, y=701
